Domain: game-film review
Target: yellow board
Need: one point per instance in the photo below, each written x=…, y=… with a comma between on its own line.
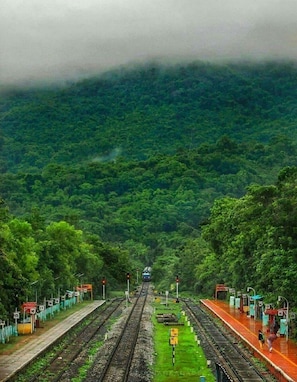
x=174, y=332
x=173, y=340
x=25, y=328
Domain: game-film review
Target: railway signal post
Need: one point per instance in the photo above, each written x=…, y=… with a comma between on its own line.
x=128, y=283
x=177, y=282
x=127, y=292
x=127, y=298
x=103, y=287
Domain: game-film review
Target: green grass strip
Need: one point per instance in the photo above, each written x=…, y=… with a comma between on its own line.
x=186, y=362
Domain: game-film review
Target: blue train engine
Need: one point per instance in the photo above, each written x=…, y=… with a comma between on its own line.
x=147, y=274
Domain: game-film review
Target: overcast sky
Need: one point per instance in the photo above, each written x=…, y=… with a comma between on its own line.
x=57, y=39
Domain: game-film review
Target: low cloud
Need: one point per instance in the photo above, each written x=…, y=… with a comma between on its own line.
x=110, y=157
x=51, y=40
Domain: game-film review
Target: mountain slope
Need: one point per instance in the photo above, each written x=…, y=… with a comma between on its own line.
x=147, y=110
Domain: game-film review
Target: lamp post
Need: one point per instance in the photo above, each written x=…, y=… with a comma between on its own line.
x=57, y=299
x=80, y=275
x=248, y=289
x=34, y=283
x=58, y=289
x=287, y=315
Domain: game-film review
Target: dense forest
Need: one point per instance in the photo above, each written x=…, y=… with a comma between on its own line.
x=146, y=110
x=190, y=169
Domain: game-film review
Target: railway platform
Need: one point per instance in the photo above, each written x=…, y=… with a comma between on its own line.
x=282, y=361
x=11, y=364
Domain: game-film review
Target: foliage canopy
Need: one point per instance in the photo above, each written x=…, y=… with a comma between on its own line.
x=125, y=170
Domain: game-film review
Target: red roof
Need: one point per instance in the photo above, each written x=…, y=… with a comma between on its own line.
x=271, y=312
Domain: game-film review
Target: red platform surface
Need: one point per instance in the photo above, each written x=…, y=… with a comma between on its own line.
x=282, y=361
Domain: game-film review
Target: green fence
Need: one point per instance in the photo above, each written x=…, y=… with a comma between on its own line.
x=11, y=330
x=7, y=332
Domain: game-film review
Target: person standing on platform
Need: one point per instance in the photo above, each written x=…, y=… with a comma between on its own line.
x=271, y=338
x=261, y=338
x=275, y=328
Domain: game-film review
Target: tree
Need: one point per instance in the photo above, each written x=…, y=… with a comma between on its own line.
x=12, y=287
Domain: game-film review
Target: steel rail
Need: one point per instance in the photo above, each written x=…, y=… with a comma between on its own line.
x=59, y=364
x=118, y=364
x=223, y=349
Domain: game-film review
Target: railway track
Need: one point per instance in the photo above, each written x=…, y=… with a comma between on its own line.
x=91, y=346
x=223, y=350
x=73, y=350
x=118, y=361
x=115, y=360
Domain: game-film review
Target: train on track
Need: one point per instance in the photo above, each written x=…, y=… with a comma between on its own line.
x=147, y=274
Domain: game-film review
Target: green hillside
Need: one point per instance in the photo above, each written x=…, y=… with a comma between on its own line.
x=147, y=110
x=144, y=166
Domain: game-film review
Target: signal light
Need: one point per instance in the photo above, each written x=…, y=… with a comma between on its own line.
x=177, y=279
x=103, y=281
x=128, y=276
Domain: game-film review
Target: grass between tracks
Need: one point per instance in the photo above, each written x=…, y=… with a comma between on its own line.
x=186, y=360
